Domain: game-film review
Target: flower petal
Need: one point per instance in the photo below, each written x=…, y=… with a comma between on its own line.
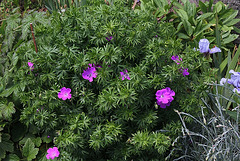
x=215, y=50
x=204, y=45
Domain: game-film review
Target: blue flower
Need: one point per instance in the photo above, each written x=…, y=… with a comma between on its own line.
x=204, y=47
x=235, y=79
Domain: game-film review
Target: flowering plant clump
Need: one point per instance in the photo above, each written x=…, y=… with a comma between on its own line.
x=204, y=47
x=124, y=75
x=109, y=38
x=165, y=97
x=234, y=80
x=103, y=115
x=30, y=64
x=89, y=73
x=52, y=153
x=184, y=71
x=176, y=59
x=64, y=93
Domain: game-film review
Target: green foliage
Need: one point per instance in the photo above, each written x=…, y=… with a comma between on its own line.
x=202, y=25
x=214, y=135
x=213, y=21
x=6, y=145
x=109, y=118
x=60, y=5
x=231, y=62
x=29, y=151
x=6, y=110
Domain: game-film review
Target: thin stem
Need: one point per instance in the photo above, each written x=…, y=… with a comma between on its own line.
x=33, y=38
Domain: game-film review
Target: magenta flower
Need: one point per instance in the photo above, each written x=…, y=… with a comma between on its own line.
x=109, y=38
x=164, y=97
x=184, y=71
x=52, y=153
x=89, y=73
x=176, y=59
x=95, y=66
x=124, y=75
x=64, y=93
x=30, y=64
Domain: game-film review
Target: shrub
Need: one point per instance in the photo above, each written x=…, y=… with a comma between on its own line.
x=111, y=62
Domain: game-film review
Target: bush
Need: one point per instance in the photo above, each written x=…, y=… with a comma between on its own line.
x=104, y=118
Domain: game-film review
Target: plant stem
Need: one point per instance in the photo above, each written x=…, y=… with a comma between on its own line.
x=33, y=38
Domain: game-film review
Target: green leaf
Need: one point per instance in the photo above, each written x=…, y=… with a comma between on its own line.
x=188, y=27
x=226, y=28
x=223, y=64
x=203, y=7
x=218, y=7
x=45, y=138
x=5, y=145
x=182, y=14
x=14, y=59
x=29, y=151
x=6, y=111
x=8, y=91
x=205, y=15
x=205, y=27
x=230, y=38
x=183, y=36
x=37, y=141
x=231, y=17
x=232, y=22
x=234, y=61
x=236, y=29
x=12, y=157
x=179, y=27
x=233, y=114
x=210, y=5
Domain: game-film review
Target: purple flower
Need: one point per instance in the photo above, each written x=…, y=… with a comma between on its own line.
x=164, y=97
x=184, y=71
x=89, y=73
x=176, y=59
x=223, y=81
x=124, y=75
x=52, y=153
x=64, y=93
x=48, y=136
x=109, y=38
x=95, y=66
x=235, y=79
x=204, y=47
x=30, y=64
x=236, y=90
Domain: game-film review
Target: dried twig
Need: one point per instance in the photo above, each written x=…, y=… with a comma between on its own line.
x=33, y=38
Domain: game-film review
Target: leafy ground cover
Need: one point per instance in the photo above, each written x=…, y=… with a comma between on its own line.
x=105, y=82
